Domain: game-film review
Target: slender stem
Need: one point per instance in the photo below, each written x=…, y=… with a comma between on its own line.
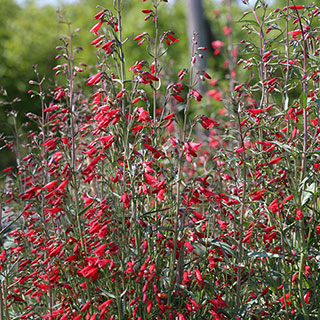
x=45, y=175
x=287, y=52
x=73, y=132
x=83, y=243
x=50, y=295
x=71, y=104
x=301, y=269
x=263, y=68
x=155, y=56
x=305, y=90
x=178, y=276
x=5, y=294
x=16, y=133
x=1, y=302
x=230, y=45
x=304, y=161
x=300, y=285
x=242, y=212
x=122, y=60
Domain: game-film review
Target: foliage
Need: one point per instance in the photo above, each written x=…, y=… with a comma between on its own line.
x=131, y=204
x=23, y=30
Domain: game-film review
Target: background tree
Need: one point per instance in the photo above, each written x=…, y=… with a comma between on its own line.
x=198, y=22
x=29, y=34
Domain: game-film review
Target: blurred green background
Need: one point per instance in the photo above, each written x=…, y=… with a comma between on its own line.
x=30, y=32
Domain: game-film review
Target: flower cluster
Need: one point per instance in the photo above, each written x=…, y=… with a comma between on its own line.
x=129, y=204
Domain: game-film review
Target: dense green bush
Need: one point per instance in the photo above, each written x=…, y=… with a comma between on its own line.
x=129, y=202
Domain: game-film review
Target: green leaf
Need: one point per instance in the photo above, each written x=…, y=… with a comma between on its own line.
x=286, y=103
x=284, y=146
x=252, y=22
x=302, y=183
x=234, y=197
x=10, y=224
x=109, y=294
x=262, y=254
x=297, y=72
x=303, y=100
x=125, y=40
x=123, y=293
x=256, y=4
x=226, y=249
x=243, y=15
x=308, y=193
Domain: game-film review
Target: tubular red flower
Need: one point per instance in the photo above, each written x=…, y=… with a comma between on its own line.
x=96, y=28
x=177, y=97
x=99, y=15
x=94, y=79
x=275, y=160
x=293, y=8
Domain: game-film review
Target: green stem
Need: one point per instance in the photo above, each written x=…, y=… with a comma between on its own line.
x=155, y=53
x=301, y=271
x=305, y=90
x=5, y=293
x=122, y=60
x=242, y=212
x=1, y=302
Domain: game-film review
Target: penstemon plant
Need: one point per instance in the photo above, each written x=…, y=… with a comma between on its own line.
x=122, y=211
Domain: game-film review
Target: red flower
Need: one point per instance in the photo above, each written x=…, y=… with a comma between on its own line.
x=273, y=206
x=266, y=55
x=3, y=255
x=89, y=271
x=125, y=198
x=191, y=148
x=214, y=94
x=287, y=296
x=96, y=28
x=216, y=316
x=216, y=45
x=238, y=87
x=227, y=30
x=99, y=15
x=100, y=250
x=149, y=306
x=306, y=297
x=295, y=33
x=218, y=303
x=49, y=186
x=199, y=277
x=171, y=39
x=181, y=316
x=275, y=160
x=293, y=8
x=255, y=111
x=299, y=214
x=265, y=291
x=94, y=79
x=91, y=165
x=177, y=97
x=86, y=306
x=270, y=82
x=63, y=184
x=196, y=95
x=206, y=75
x=140, y=36
x=105, y=304
x=137, y=128
x=94, y=316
